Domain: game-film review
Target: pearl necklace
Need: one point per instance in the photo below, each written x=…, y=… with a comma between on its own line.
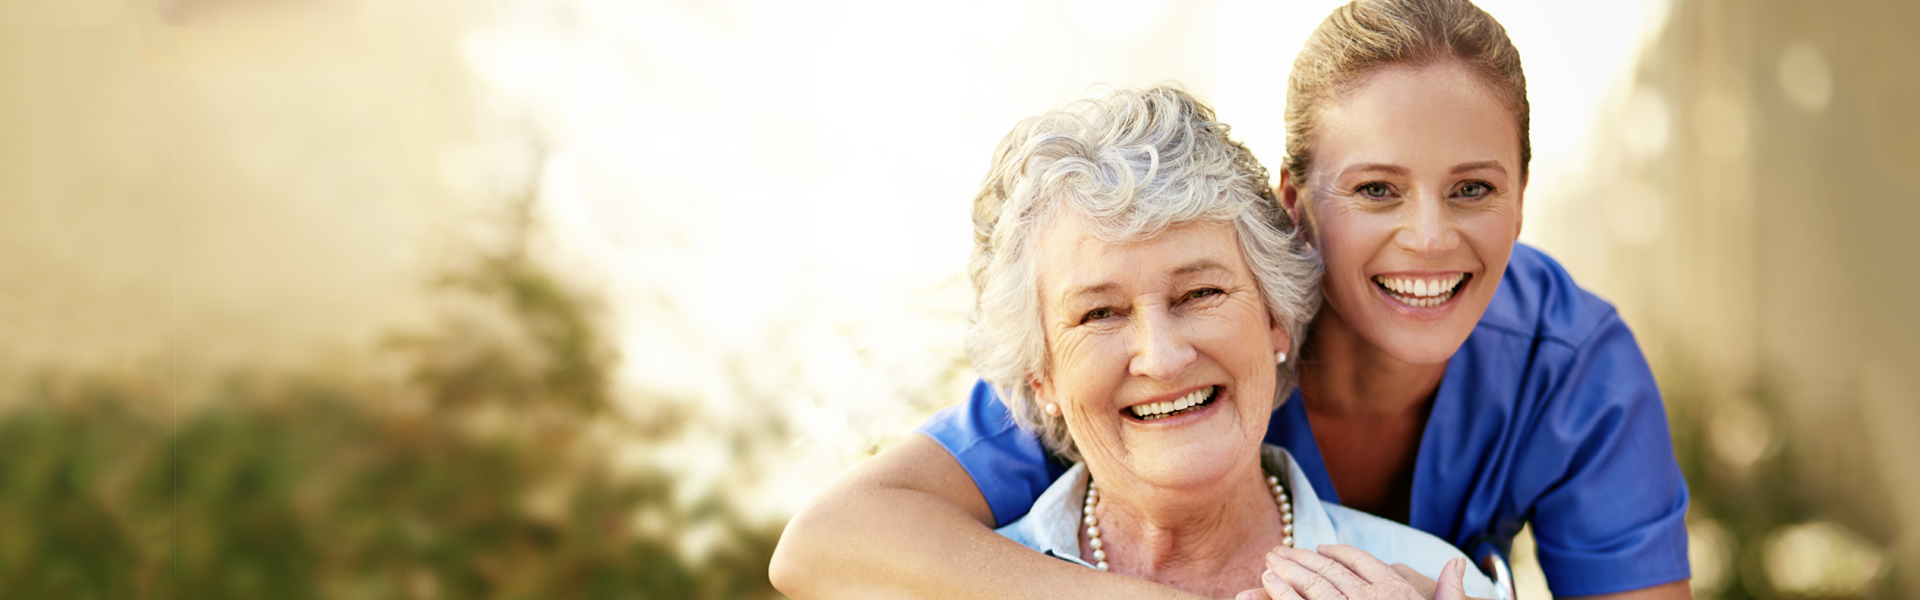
x=1099, y=548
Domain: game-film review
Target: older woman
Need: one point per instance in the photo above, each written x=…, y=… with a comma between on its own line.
x=1138, y=286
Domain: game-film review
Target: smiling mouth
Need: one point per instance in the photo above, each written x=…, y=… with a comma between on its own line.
x=1422, y=292
x=1185, y=404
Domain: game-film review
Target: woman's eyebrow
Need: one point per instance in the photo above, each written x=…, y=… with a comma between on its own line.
x=1204, y=264
x=1478, y=165
x=1379, y=167
x=1087, y=290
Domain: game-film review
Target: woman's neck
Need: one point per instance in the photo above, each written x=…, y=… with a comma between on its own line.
x=1206, y=541
x=1344, y=375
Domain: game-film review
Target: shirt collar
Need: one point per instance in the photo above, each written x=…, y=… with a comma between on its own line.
x=1053, y=526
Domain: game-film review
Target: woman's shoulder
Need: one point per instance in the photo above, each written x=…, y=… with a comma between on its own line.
x=1052, y=525
x=1547, y=347
x=1539, y=300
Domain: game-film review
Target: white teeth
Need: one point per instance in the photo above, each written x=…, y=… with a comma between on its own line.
x=1421, y=293
x=1160, y=409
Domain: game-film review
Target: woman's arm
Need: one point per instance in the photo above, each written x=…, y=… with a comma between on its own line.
x=910, y=523
x=1610, y=514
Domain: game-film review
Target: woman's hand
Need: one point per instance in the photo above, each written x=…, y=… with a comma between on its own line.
x=1341, y=572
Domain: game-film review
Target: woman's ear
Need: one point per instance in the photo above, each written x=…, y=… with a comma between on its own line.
x=1043, y=395
x=1289, y=195
x=1282, y=342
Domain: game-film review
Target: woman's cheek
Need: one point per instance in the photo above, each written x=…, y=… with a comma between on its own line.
x=1492, y=233
x=1350, y=241
x=1080, y=358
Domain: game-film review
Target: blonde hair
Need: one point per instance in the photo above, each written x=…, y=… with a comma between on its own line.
x=1368, y=35
x=1133, y=163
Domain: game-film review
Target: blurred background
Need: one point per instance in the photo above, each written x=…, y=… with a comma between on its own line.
x=583, y=298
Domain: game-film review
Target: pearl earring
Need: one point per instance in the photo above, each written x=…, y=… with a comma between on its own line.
x=1053, y=410
x=1280, y=358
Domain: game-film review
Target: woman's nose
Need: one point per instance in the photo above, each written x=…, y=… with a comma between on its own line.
x=1429, y=228
x=1160, y=351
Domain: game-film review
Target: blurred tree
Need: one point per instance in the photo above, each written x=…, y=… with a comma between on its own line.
x=1751, y=499
x=487, y=475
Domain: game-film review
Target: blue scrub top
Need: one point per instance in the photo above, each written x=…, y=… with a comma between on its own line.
x=1548, y=413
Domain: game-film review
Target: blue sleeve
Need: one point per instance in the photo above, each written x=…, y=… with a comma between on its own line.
x=1006, y=462
x=1611, y=511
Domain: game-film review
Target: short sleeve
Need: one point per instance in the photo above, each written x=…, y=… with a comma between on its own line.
x=1611, y=511
x=1006, y=462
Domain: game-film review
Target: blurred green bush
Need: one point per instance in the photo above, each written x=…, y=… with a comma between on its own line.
x=486, y=475
x=1746, y=506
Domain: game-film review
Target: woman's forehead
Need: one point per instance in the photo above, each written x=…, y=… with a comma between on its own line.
x=1430, y=118
x=1073, y=258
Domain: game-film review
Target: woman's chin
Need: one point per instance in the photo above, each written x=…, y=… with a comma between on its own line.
x=1425, y=347
x=1188, y=467
x=1428, y=338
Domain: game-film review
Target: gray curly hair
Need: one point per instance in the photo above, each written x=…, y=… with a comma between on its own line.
x=1134, y=162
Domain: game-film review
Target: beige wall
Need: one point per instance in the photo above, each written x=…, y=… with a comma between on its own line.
x=202, y=185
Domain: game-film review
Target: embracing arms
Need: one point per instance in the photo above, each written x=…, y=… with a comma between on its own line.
x=910, y=523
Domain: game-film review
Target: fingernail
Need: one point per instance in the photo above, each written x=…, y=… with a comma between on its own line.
x=1270, y=576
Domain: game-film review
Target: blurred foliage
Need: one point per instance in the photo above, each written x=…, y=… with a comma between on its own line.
x=488, y=474
x=1750, y=504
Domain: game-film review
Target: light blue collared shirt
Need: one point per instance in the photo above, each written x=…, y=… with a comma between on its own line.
x=1053, y=526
